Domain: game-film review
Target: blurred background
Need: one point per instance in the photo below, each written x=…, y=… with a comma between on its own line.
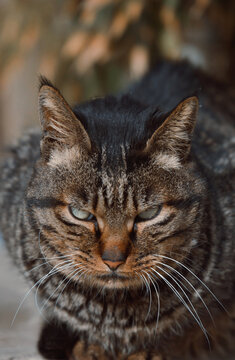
x=90, y=48
x=93, y=47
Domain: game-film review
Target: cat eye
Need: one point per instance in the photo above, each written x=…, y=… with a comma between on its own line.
x=81, y=214
x=148, y=214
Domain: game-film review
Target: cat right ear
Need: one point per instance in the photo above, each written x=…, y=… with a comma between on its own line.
x=174, y=136
x=61, y=128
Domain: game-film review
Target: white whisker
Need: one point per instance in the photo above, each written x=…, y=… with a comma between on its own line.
x=61, y=283
x=150, y=294
x=55, y=257
x=195, y=316
x=189, y=283
x=158, y=297
x=28, y=292
x=77, y=271
x=36, y=267
x=186, y=296
x=53, y=271
x=191, y=272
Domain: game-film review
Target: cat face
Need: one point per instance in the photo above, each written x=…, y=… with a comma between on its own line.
x=116, y=222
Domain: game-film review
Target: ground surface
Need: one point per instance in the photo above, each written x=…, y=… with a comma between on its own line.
x=19, y=341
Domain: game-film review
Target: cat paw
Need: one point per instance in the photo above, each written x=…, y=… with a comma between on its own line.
x=56, y=342
x=144, y=356
x=92, y=352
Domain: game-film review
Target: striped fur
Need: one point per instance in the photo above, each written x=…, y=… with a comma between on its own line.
x=117, y=157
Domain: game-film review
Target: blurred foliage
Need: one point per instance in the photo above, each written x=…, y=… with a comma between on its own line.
x=94, y=47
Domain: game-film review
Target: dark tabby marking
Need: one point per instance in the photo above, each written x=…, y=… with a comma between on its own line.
x=123, y=223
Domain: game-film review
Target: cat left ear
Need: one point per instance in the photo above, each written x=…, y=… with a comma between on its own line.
x=61, y=128
x=174, y=136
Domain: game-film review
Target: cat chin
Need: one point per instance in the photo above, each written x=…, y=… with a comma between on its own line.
x=113, y=282
x=118, y=285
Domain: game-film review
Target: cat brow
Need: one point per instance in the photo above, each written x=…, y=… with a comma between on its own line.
x=46, y=202
x=183, y=203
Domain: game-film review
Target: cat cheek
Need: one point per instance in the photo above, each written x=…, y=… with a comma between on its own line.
x=89, y=225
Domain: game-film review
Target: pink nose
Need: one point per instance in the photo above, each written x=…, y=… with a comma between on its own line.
x=113, y=265
x=113, y=259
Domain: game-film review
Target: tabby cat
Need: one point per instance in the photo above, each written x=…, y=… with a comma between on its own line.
x=122, y=219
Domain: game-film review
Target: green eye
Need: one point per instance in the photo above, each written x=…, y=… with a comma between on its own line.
x=148, y=214
x=81, y=214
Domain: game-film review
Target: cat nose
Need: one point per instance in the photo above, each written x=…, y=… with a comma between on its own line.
x=113, y=265
x=113, y=259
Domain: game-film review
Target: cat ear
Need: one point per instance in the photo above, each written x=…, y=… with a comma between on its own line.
x=61, y=128
x=174, y=136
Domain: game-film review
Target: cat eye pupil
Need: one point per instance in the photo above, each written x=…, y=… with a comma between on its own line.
x=148, y=214
x=81, y=214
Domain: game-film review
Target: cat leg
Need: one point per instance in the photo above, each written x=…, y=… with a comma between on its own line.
x=56, y=341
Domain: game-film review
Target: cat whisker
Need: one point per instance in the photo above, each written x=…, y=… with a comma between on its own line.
x=76, y=272
x=52, y=272
x=178, y=282
x=191, y=272
x=150, y=294
x=47, y=262
x=189, y=283
x=22, y=301
x=143, y=283
x=176, y=292
x=148, y=289
x=157, y=291
x=25, y=296
x=187, y=260
x=61, y=283
x=36, y=267
x=55, y=257
x=85, y=274
x=43, y=254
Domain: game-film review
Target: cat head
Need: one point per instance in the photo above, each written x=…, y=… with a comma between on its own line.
x=115, y=190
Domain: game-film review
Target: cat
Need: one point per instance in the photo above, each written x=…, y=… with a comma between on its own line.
x=121, y=217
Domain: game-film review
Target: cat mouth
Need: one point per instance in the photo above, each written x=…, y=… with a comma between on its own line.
x=112, y=276
x=114, y=280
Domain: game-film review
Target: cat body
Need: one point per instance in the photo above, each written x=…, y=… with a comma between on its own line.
x=124, y=221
